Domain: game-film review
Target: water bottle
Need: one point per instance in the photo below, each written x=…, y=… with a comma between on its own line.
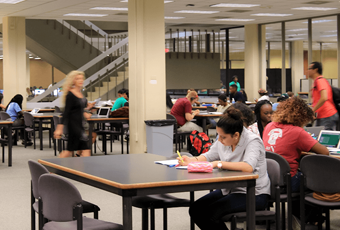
x=233, y=101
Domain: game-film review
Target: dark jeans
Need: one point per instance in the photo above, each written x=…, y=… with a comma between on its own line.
x=328, y=122
x=207, y=210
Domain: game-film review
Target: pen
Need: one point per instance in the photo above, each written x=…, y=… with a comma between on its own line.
x=180, y=157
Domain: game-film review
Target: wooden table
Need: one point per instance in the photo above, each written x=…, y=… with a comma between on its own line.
x=8, y=125
x=138, y=175
x=92, y=121
x=204, y=118
x=199, y=107
x=41, y=117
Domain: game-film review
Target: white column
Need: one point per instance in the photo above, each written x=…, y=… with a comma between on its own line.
x=146, y=68
x=253, y=62
x=14, y=58
x=297, y=65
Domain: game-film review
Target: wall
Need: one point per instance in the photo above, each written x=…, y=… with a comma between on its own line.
x=41, y=74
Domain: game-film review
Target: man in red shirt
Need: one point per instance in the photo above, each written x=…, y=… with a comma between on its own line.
x=322, y=94
x=182, y=110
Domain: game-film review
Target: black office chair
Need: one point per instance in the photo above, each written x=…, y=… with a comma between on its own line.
x=273, y=169
x=53, y=191
x=320, y=173
x=36, y=171
x=158, y=201
x=211, y=109
x=285, y=185
x=179, y=136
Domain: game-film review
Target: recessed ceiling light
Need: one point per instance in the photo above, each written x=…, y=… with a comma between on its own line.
x=314, y=8
x=86, y=15
x=330, y=35
x=168, y=1
x=109, y=8
x=294, y=30
x=320, y=21
x=30, y=57
x=11, y=1
x=174, y=17
x=234, y=5
x=234, y=20
x=196, y=12
x=37, y=58
x=271, y=15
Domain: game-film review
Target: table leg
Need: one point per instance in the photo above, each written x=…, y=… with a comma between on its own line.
x=204, y=124
x=91, y=124
x=192, y=200
x=251, y=205
x=127, y=212
x=40, y=134
x=9, y=145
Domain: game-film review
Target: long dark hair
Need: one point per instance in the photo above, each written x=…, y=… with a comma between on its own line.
x=231, y=122
x=17, y=99
x=257, y=112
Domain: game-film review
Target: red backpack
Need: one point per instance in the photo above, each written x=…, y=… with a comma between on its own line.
x=200, y=143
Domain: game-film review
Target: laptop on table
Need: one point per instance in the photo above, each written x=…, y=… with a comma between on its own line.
x=102, y=113
x=330, y=139
x=35, y=111
x=314, y=131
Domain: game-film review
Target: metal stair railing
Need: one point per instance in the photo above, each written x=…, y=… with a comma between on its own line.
x=86, y=66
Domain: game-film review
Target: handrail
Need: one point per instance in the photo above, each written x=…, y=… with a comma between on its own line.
x=83, y=68
x=96, y=28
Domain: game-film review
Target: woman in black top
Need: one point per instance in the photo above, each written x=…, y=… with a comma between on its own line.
x=74, y=114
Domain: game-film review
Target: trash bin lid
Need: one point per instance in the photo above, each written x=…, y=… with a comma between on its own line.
x=165, y=122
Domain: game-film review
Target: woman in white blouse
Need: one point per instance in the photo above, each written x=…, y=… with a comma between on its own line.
x=236, y=149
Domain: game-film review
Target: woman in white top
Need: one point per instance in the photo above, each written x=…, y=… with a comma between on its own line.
x=264, y=95
x=263, y=113
x=236, y=149
x=223, y=101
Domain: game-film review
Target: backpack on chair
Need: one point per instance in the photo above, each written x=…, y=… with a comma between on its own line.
x=200, y=143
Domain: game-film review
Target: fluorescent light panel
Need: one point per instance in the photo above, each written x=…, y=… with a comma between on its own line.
x=196, y=12
x=174, y=18
x=293, y=35
x=109, y=8
x=234, y=5
x=314, y=8
x=328, y=36
x=296, y=30
x=320, y=21
x=271, y=15
x=11, y=1
x=234, y=20
x=86, y=15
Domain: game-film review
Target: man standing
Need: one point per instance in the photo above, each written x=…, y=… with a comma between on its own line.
x=234, y=94
x=322, y=94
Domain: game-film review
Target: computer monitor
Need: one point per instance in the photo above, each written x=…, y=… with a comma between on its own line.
x=38, y=91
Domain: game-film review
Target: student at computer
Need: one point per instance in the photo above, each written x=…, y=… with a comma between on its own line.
x=123, y=96
x=236, y=149
x=285, y=135
x=74, y=115
x=182, y=110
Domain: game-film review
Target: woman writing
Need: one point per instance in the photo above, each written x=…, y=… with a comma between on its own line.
x=236, y=149
x=263, y=113
x=74, y=114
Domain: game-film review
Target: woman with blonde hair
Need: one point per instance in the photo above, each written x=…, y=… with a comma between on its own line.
x=74, y=114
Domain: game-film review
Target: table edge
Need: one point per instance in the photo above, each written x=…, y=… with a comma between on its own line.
x=147, y=185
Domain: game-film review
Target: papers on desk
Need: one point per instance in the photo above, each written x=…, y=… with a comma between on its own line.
x=171, y=163
x=216, y=113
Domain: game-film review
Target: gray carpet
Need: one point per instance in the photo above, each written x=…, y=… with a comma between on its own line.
x=15, y=195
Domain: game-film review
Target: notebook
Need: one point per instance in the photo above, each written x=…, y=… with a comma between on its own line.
x=314, y=131
x=97, y=101
x=35, y=111
x=102, y=113
x=330, y=139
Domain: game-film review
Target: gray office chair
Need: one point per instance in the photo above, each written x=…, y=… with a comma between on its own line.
x=285, y=185
x=56, y=191
x=320, y=173
x=36, y=171
x=273, y=169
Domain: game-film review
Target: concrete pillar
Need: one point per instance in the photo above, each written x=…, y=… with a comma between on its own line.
x=254, y=58
x=297, y=65
x=15, y=59
x=146, y=68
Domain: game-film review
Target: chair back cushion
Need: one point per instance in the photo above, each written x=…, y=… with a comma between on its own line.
x=36, y=170
x=284, y=165
x=321, y=172
x=56, y=121
x=4, y=115
x=273, y=169
x=28, y=119
x=59, y=197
